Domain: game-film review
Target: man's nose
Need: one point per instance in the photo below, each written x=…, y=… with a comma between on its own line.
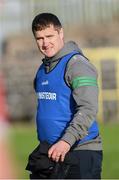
x=45, y=42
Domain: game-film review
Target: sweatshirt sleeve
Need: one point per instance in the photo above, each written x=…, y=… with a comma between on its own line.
x=81, y=77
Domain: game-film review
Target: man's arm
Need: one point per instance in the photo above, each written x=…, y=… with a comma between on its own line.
x=79, y=72
x=81, y=76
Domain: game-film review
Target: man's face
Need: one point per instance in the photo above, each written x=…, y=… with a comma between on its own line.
x=49, y=40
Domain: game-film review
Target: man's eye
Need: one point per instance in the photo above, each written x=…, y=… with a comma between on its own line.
x=39, y=38
x=50, y=36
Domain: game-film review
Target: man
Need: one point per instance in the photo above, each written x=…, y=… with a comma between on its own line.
x=66, y=85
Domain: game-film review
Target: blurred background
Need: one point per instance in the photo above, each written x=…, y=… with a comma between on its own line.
x=94, y=26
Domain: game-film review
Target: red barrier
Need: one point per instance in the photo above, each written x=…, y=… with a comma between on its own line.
x=3, y=103
x=7, y=170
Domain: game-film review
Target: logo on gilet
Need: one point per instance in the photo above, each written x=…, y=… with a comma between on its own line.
x=47, y=95
x=45, y=83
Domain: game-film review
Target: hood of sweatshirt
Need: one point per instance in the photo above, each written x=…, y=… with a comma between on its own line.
x=67, y=48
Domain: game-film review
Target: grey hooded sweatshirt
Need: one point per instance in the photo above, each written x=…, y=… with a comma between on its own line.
x=86, y=97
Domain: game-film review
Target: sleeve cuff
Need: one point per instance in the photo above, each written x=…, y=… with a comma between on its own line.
x=69, y=138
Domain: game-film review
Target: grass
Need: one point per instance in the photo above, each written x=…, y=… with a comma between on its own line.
x=24, y=140
x=110, y=135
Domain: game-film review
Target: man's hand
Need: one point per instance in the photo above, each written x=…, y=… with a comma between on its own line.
x=58, y=151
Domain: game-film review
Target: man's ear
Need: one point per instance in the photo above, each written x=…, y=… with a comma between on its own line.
x=61, y=32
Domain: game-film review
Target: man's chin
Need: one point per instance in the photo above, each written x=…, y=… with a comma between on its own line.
x=49, y=55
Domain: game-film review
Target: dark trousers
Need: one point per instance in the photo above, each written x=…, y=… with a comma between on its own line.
x=89, y=167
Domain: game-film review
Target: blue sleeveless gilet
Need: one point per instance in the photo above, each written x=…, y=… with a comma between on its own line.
x=56, y=105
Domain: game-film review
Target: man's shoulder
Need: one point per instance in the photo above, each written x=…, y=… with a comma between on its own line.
x=81, y=62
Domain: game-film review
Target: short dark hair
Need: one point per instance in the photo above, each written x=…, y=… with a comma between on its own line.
x=43, y=20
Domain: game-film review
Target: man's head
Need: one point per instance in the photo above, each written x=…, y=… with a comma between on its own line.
x=48, y=33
